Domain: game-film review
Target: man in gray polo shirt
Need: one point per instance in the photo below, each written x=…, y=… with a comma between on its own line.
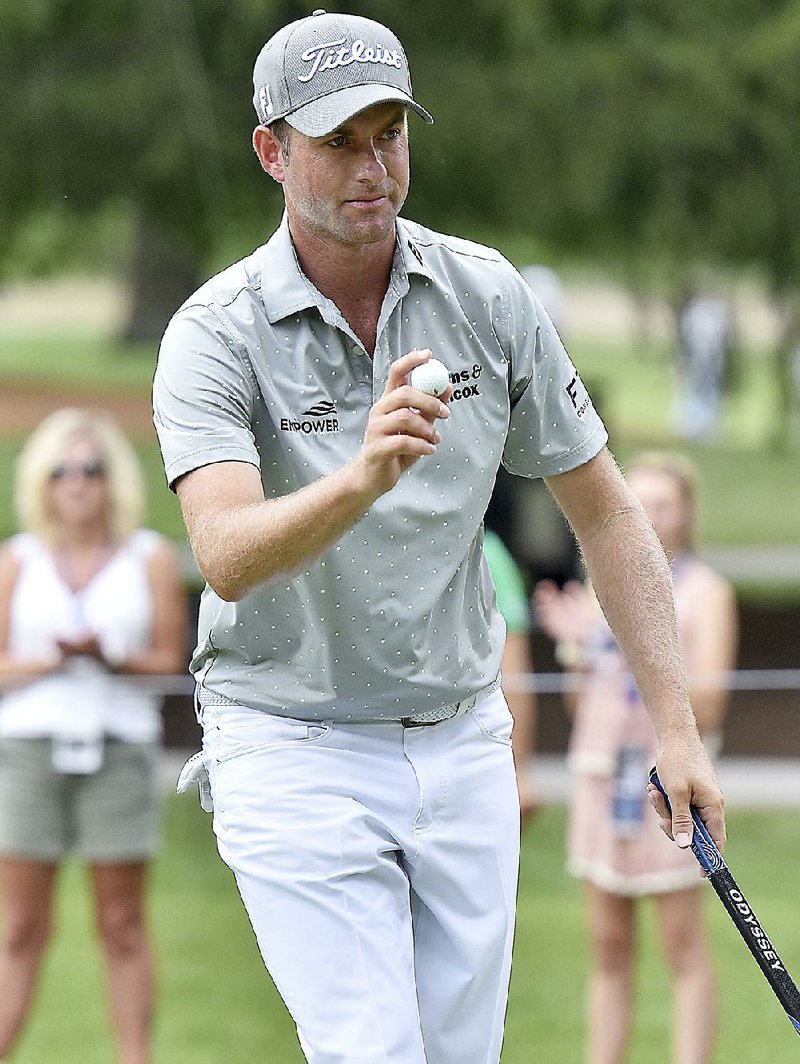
x=356, y=739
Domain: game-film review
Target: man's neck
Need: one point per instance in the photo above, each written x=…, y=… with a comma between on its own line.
x=355, y=278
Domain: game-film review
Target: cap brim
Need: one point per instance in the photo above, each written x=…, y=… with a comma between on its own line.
x=323, y=116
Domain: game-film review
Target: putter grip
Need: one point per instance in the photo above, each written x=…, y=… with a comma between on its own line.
x=739, y=910
x=703, y=846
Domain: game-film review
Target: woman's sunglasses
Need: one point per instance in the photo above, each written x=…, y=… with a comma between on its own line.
x=88, y=470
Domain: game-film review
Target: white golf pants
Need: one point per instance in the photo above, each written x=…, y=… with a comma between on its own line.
x=378, y=866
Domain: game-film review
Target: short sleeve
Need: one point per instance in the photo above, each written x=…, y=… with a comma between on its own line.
x=202, y=394
x=554, y=426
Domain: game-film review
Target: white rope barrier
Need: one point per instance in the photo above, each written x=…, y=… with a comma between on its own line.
x=741, y=680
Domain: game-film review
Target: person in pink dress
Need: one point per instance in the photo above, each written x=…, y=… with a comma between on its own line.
x=622, y=855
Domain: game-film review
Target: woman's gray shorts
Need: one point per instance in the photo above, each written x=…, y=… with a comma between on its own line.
x=107, y=817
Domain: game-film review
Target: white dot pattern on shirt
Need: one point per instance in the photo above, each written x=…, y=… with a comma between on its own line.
x=350, y=605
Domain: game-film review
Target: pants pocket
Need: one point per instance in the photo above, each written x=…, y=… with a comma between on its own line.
x=241, y=732
x=494, y=719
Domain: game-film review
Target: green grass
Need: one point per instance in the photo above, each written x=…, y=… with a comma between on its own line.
x=747, y=485
x=78, y=362
x=748, y=498
x=217, y=1004
x=633, y=385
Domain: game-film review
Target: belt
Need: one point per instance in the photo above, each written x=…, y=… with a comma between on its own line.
x=457, y=709
x=204, y=697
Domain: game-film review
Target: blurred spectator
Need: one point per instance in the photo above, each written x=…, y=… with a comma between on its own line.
x=705, y=343
x=615, y=843
x=512, y=602
x=88, y=602
x=525, y=515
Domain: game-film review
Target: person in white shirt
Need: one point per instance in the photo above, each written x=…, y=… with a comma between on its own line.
x=88, y=602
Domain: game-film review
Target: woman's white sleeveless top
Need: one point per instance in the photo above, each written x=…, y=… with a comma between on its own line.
x=83, y=699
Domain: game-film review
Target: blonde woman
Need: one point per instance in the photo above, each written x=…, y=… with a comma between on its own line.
x=615, y=844
x=89, y=601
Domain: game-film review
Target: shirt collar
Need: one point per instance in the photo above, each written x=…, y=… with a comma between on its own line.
x=284, y=287
x=413, y=259
x=286, y=290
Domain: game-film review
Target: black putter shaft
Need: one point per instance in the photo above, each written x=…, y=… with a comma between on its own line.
x=741, y=912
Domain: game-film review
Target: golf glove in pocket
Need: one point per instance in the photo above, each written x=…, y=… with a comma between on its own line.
x=195, y=771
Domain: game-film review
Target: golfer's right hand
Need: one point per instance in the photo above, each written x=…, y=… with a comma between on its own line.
x=401, y=427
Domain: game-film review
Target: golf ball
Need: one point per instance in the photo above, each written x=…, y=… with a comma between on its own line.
x=432, y=377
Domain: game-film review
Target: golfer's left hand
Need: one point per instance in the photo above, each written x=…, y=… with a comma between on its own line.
x=688, y=777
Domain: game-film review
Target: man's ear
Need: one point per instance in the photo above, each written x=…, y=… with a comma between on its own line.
x=270, y=153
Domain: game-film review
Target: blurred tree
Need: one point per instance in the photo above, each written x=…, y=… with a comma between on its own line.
x=140, y=104
x=649, y=134
x=762, y=213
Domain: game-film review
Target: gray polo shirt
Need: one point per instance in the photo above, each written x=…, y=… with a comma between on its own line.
x=399, y=616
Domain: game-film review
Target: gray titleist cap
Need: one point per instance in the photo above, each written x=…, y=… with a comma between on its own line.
x=320, y=71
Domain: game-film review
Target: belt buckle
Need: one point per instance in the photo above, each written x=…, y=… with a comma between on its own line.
x=409, y=722
x=455, y=709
